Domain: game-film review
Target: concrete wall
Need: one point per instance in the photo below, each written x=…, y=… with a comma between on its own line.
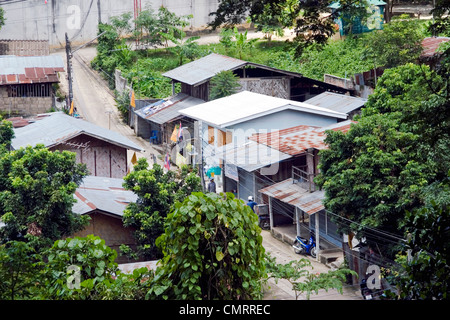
x=102, y=159
x=275, y=87
x=37, y=20
x=23, y=106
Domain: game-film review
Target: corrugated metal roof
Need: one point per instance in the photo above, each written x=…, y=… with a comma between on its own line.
x=18, y=70
x=337, y=102
x=104, y=194
x=431, y=44
x=203, y=69
x=58, y=127
x=246, y=105
x=289, y=192
x=24, y=47
x=168, y=109
x=250, y=156
x=297, y=140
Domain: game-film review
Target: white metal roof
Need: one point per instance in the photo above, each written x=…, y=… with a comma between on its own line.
x=246, y=105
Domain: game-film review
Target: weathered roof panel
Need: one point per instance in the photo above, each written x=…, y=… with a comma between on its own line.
x=166, y=110
x=297, y=140
x=20, y=70
x=203, y=69
x=337, y=102
x=250, y=156
x=54, y=128
x=289, y=192
x=104, y=194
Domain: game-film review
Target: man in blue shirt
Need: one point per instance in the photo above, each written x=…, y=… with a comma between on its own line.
x=251, y=203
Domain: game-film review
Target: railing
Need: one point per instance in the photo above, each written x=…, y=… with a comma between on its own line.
x=303, y=178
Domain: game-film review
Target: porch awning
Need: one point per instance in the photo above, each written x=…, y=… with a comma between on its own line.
x=250, y=156
x=292, y=193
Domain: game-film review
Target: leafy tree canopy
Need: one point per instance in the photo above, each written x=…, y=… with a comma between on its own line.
x=36, y=194
x=305, y=16
x=157, y=193
x=212, y=250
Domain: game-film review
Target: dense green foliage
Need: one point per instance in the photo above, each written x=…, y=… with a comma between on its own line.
x=386, y=164
x=223, y=84
x=212, y=250
x=36, y=194
x=157, y=194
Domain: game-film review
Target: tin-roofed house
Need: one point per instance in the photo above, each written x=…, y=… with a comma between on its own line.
x=294, y=200
x=227, y=123
x=195, y=79
x=26, y=83
x=104, y=201
x=104, y=152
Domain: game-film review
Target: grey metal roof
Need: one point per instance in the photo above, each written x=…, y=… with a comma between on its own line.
x=103, y=194
x=58, y=127
x=17, y=64
x=168, y=109
x=337, y=102
x=250, y=156
x=203, y=69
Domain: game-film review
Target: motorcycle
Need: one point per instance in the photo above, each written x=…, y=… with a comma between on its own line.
x=301, y=245
x=365, y=291
x=264, y=222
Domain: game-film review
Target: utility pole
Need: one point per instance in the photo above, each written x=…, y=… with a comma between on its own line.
x=69, y=70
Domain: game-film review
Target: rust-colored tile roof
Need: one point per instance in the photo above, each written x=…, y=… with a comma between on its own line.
x=32, y=75
x=430, y=45
x=297, y=140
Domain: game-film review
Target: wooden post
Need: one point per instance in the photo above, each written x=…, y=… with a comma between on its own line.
x=270, y=213
x=317, y=236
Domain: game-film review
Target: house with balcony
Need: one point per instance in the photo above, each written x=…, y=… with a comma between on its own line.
x=296, y=201
x=225, y=125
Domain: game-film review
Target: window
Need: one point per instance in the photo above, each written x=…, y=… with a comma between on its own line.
x=30, y=90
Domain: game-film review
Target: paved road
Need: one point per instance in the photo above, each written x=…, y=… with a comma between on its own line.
x=95, y=101
x=284, y=253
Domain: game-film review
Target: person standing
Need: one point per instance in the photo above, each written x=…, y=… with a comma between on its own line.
x=251, y=203
x=212, y=186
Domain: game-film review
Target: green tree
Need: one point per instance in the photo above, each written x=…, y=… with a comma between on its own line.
x=424, y=261
x=6, y=135
x=223, y=84
x=306, y=16
x=384, y=166
x=36, y=195
x=18, y=269
x=85, y=269
x=398, y=43
x=157, y=192
x=2, y=18
x=212, y=250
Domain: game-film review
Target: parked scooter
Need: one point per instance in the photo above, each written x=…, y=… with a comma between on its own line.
x=303, y=246
x=264, y=221
x=365, y=291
